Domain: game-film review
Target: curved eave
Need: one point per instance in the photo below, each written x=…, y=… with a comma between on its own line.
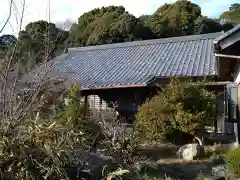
x=114, y=87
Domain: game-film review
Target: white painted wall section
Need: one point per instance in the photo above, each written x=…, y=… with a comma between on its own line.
x=237, y=79
x=237, y=74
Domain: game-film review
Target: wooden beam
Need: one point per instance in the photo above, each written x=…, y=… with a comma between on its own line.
x=100, y=103
x=219, y=83
x=227, y=56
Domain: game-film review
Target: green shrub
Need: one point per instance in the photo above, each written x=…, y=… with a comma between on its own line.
x=180, y=107
x=152, y=120
x=74, y=110
x=233, y=161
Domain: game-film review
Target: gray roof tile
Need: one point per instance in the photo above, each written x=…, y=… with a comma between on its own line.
x=140, y=61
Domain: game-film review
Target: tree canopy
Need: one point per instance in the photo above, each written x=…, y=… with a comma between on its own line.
x=113, y=24
x=232, y=15
x=38, y=42
x=107, y=25
x=174, y=19
x=205, y=25
x=6, y=41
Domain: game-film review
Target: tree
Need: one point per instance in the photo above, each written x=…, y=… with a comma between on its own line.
x=174, y=19
x=144, y=18
x=232, y=15
x=107, y=25
x=181, y=107
x=6, y=41
x=205, y=25
x=39, y=42
x=227, y=26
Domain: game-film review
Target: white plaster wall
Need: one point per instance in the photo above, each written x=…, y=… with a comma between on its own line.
x=237, y=74
x=237, y=78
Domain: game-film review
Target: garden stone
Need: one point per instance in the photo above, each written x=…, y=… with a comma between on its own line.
x=190, y=151
x=222, y=170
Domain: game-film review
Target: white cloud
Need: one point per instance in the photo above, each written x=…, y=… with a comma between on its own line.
x=72, y=9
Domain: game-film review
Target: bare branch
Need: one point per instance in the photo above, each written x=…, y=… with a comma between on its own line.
x=65, y=25
x=6, y=91
x=9, y=16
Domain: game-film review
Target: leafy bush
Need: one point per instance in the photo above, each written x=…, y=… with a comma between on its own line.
x=152, y=120
x=181, y=106
x=47, y=147
x=233, y=161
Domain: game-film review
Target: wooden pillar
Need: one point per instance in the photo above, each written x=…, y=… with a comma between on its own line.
x=100, y=104
x=220, y=106
x=100, y=111
x=238, y=97
x=237, y=125
x=85, y=106
x=135, y=99
x=216, y=119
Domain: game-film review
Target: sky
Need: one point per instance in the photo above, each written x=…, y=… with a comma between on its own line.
x=60, y=10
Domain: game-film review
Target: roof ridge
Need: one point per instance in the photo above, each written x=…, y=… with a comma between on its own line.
x=146, y=42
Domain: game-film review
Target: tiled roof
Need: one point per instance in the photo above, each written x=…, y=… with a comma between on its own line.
x=137, y=63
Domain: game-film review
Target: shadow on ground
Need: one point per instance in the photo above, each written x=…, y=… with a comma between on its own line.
x=178, y=171
x=158, y=151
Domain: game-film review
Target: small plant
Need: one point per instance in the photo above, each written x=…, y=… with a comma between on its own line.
x=146, y=177
x=233, y=161
x=74, y=109
x=201, y=177
x=117, y=174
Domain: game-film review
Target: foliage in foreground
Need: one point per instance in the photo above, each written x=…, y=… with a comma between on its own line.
x=233, y=161
x=44, y=147
x=32, y=147
x=38, y=150
x=180, y=107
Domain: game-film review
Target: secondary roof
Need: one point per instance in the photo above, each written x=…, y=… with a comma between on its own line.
x=232, y=35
